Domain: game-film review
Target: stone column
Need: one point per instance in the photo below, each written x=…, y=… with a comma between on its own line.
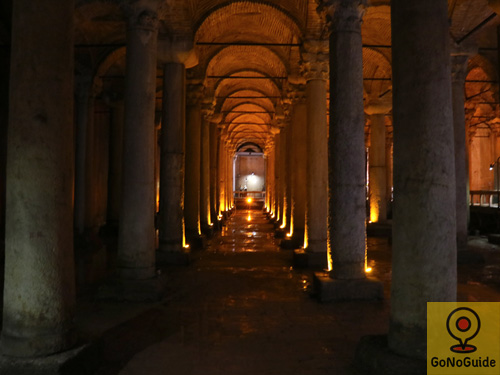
x=222, y=173
x=39, y=292
x=83, y=106
x=378, y=169
x=171, y=249
x=347, y=210
x=136, y=239
x=459, y=61
x=192, y=178
x=214, y=204
x=205, y=213
x=115, y=163
x=298, y=162
x=315, y=70
x=424, y=222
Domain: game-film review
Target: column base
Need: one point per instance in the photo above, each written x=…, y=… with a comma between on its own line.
x=329, y=289
x=310, y=259
x=373, y=356
x=196, y=241
x=279, y=233
x=290, y=243
x=134, y=290
x=208, y=230
x=175, y=255
x=78, y=361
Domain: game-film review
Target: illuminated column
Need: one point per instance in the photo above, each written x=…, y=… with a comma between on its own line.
x=315, y=70
x=205, y=214
x=230, y=172
x=39, y=292
x=459, y=61
x=192, y=178
x=424, y=222
x=222, y=172
x=171, y=214
x=378, y=170
x=298, y=162
x=214, y=204
x=136, y=239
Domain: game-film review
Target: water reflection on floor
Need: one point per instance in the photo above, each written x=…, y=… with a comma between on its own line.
x=241, y=308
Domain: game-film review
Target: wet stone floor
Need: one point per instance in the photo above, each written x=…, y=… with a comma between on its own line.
x=241, y=308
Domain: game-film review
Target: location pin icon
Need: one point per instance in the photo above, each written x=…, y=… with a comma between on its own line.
x=463, y=325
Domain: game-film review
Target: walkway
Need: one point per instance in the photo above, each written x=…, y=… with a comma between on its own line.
x=241, y=309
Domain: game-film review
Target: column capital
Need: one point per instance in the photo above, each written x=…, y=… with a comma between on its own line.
x=315, y=60
x=194, y=93
x=296, y=94
x=207, y=109
x=343, y=15
x=141, y=14
x=460, y=55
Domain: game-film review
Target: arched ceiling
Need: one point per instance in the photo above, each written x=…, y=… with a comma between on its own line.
x=248, y=51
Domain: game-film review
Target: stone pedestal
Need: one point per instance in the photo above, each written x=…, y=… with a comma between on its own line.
x=39, y=284
x=136, y=239
x=171, y=225
x=424, y=221
x=315, y=69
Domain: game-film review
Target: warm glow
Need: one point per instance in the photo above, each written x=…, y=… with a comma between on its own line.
x=329, y=261
x=249, y=218
x=289, y=234
x=368, y=269
x=283, y=225
x=374, y=212
x=219, y=217
x=186, y=246
x=249, y=200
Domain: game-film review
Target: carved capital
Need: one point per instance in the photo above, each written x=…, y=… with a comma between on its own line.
x=297, y=94
x=343, y=15
x=207, y=109
x=141, y=15
x=194, y=93
x=315, y=61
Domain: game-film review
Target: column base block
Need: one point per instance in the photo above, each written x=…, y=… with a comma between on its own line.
x=196, y=242
x=289, y=243
x=309, y=259
x=208, y=231
x=78, y=361
x=174, y=258
x=279, y=233
x=373, y=356
x=329, y=289
x=134, y=290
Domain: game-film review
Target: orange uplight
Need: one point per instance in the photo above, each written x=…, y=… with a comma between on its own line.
x=249, y=200
x=368, y=269
x=249, y=218
x=289, y=234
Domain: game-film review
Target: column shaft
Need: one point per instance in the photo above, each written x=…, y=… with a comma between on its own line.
x=39, y=295
x=299, y=170
x=459, y=72
x=192, y=179
x=172, y=159
x=317, y=171
x=136, y=240
x=424, y=221
x=378, y=170
x=205, y=214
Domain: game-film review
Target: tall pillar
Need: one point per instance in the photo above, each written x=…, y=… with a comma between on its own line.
x=136, y=238
x=205, y=212
x=424, y=221
x=378, y=169
x=115, y=163
x=459, y=61
x=171, y=226
x=39, y=288
x=222, y=173
x=83, y=106
x=214, y=204
x=298, y=162
x=315, y=70
x=192, y=178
